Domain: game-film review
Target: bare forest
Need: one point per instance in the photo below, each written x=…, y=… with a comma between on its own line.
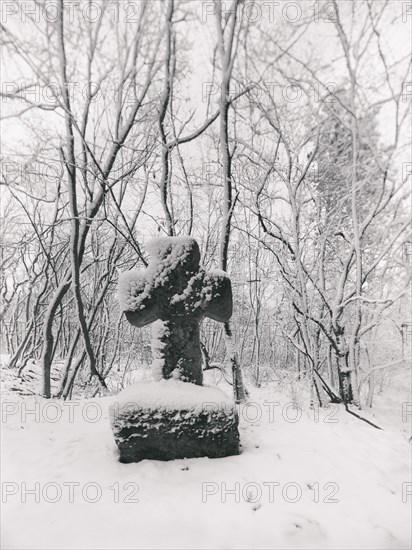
x=236, y=174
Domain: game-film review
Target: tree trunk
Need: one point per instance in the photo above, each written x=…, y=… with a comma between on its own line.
x=226, y=59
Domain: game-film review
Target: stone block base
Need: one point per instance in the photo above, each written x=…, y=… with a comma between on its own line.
x=170, y=419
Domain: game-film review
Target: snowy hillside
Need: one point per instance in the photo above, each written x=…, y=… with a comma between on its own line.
x=304, y=479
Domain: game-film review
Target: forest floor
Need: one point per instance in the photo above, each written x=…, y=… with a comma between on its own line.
x=304, y=479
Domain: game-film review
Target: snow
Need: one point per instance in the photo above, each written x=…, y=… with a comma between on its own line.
x=136, y=287
x=193, y=288
x=133, y=290
x=171, y=394
x=304, y=479
x=173, y=250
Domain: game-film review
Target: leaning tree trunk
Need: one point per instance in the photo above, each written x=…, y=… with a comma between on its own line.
x=70, y=163
x=227, y=58
x=352, y=365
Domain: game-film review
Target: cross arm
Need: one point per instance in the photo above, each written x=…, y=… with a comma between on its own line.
x=136, y=298
x=217, y=296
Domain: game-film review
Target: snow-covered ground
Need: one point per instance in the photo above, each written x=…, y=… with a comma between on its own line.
x=304, y=479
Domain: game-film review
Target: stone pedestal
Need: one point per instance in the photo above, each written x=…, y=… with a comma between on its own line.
x=170, y=419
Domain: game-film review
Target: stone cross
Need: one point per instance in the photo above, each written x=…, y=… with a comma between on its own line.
x=174, y=293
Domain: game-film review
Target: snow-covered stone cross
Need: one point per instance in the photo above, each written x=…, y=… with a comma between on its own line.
x=174, y=293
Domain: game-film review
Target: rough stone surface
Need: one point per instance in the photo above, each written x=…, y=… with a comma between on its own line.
x=173, y=419
x=167, y=435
